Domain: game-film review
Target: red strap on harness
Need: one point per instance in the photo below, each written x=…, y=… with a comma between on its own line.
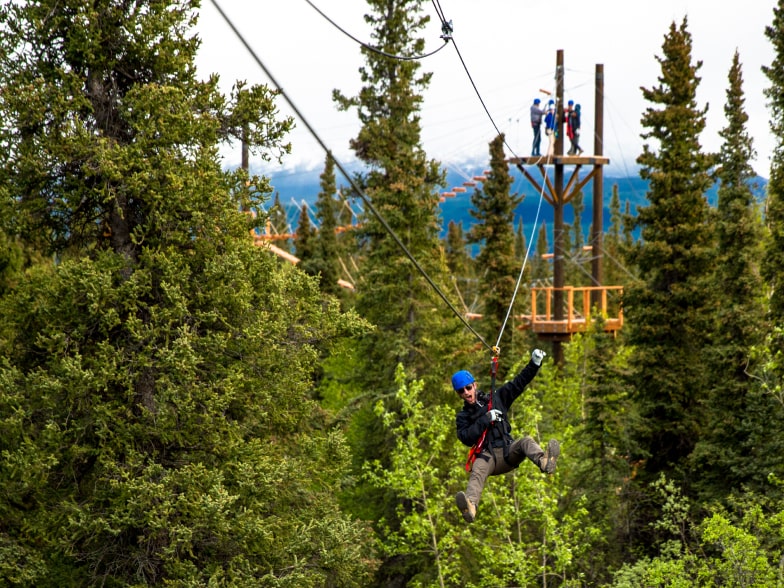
x=476, y=449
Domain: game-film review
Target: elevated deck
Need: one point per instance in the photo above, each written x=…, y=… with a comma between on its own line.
x=577, y=311
x=562, y=159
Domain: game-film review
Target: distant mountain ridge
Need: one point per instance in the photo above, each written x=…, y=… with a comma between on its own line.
x=296, y=188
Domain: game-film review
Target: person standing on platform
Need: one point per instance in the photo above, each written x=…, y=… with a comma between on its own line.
x=573, y=128
x=537, y=115
x=549, y=127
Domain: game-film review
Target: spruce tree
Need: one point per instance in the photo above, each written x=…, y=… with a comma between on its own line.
x=541, y=270
x=327, y=242
x=413, y=325
x=600, y=474
x=493, y=208
x=612, y=244
x=576, y=271
x=279, y=223
x=766, y=405
x=156, y=403
x=520, y=245
x=629, y=222
x=669, y=310
x=773, y=260
x=305, y=245
x=457, y=258
x=740, y=312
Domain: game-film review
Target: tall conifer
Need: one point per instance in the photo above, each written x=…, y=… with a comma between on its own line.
x=155, y=376
x=305, y=245
x=326, y=211
x=493, y=208
x=773, y=261
x=668, y=311
x=740, y=311
x=413, y=325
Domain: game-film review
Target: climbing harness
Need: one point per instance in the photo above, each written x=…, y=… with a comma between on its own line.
x=477, y=447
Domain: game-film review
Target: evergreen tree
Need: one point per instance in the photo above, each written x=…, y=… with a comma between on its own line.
x=629, y=222
x=278, y=223
x=413, y=325
x=326, y=212
x=305, y=245
x=612, y=244
x=766, y=403
x=773, y=260
x=669, y=310
x=155, y=386
x=460, y=265
x=541, y=272
x=600, y=471
x=520, y=245
x=575, y=267
x=493, y=208
x=740, y=312
x=457, y=258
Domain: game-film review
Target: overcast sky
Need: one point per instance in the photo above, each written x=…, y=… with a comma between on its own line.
x=509, y=48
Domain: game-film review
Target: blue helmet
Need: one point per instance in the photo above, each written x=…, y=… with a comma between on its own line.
x=462, y=379
x=570, y=102
x=536, y=101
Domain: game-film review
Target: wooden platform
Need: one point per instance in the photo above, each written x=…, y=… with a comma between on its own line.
x=562, y=159
x=577, y=310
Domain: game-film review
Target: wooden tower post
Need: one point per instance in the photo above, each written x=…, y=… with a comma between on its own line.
x=597, y=229
x=551, y=324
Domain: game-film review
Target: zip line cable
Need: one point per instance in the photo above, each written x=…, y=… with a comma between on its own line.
x=347, y=176
x=522, y=270
x=445, y=25
x=445, y=37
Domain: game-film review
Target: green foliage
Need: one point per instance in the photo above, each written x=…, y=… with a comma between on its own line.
x=739, y=315
x=418, y=475
x=493, y=208
x=412, y=325
x=519, y=535
x=305, y=243
x=108, y=128
x=541, y=272
x=279, y=224
x=599, y=470
x=167, y=448
x=773, y=262
x=722, y=550
x=326, y=211
x=159, y=424
x=403, y=186
x=668, y=310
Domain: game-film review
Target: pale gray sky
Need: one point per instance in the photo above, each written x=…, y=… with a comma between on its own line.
x=509, y=48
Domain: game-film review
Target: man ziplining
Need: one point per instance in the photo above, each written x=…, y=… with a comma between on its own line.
x=482, y=425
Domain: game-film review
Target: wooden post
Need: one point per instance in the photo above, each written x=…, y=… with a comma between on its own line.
x=558, y=206
x=598, y=184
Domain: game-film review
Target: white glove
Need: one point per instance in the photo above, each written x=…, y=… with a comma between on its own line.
x=537, y=355
x=495, y=415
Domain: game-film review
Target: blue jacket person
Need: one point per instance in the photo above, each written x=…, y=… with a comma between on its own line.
x=482, y=425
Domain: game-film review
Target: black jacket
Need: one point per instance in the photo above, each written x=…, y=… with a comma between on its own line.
x=474, y=419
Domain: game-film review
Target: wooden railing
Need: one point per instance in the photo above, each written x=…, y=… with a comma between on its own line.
x=577, y=309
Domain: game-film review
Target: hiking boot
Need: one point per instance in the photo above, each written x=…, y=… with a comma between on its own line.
x=466, y=507
x=551, y=453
